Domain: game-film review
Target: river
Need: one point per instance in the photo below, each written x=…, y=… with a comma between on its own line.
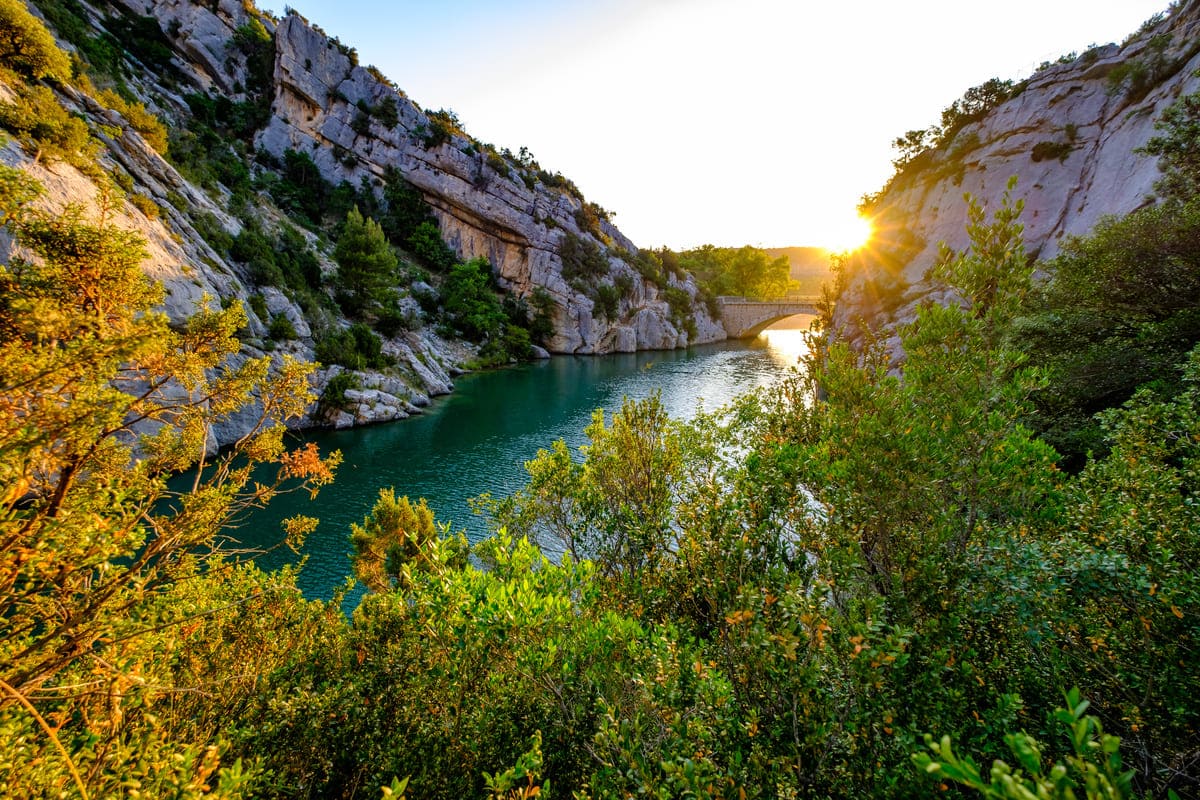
x=478, y=438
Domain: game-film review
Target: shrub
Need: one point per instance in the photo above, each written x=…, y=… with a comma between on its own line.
x=356, y=347
x=386, y=113
x=27, y=47
x=334, y=393
x=46, y=129
x=541, y=324
x=258, y=304
x=281, y=328
x=581, y=258
x=470, y=304
x=256, y=250
x=139, y=118
x=212, y=231
x=607, y=299
x=146, y=205
x=405, y=206
x=1044, y=151
x=427, y=245
x=392, y=322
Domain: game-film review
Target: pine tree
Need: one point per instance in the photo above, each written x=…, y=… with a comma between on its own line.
x=366, y=263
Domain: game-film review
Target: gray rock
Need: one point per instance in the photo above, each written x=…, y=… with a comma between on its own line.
x=1102, y=174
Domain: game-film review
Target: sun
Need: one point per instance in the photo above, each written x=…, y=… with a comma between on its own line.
x=848, y=236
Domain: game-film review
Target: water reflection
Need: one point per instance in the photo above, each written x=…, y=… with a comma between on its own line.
x=478, y=438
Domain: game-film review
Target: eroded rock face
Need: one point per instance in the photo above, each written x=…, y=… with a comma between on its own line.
x=1068, y=109
x=482, y=203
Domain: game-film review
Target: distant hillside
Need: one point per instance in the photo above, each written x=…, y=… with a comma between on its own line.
x=810, y=265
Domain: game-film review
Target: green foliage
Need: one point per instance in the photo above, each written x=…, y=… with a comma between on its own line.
x=615, y=506
x=406, y=208
x=46, y=129
x=334, y=393
x=607, y=299
x=470, y=303
x=356, y=347
x=399, y=538
x=541, y=324
x=108, y=574
x=582, y=259
x=917, y=150
x=427, y=245
x=1092, y=770
x=258, y=304
x=301, y=191
x=1049, y=150
x=281, y=328
x=680, y=303
x=1134, y=77
x=1178, y=150
x=366, y=263
x=146, y=205
x=1118, y=313
x=27, y=47
x=442, y=125
x=745, y=271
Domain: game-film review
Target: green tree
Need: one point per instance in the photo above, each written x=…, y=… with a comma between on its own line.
x=397, y=538
x=470, y=303
x=366, y=263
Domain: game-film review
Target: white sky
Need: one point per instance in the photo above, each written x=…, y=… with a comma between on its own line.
x=713, y=121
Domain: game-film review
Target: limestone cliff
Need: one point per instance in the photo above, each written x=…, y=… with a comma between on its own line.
x=313, y=99
x=1069, y=133
x=487, y=203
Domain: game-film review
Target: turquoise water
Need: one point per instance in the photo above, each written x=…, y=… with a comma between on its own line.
x=477, y=439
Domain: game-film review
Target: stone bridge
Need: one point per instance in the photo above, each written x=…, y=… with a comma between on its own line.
x=744, y=318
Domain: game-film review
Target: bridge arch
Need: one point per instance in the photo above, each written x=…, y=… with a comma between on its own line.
x=744, y=318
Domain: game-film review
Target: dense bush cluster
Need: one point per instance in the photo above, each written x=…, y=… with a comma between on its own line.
x=778, y=599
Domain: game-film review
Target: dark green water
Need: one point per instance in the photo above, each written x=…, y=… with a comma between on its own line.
x=477, y=439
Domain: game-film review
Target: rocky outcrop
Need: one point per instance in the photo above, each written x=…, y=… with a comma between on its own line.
x=1070, y=135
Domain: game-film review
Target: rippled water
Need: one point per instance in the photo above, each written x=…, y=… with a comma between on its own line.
x=477, y=439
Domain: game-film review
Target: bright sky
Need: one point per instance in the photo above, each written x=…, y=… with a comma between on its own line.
x=727, y=122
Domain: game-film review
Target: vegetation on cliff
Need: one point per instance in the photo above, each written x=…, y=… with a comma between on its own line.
x=836, y=588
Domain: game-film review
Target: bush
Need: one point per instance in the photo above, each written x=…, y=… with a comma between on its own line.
x=427, y=245
x=256, y=250
x=356, y=347
x=607, y=299
x=281, y=328
x=258, y=304
x=392, y=322
x=46, y=129
x=469, y=302
x=27, y=47
x=139, y=118
x=146, y=205
x=541, y=324
x=1045, y=151
x=334, y=393
x=582, y=259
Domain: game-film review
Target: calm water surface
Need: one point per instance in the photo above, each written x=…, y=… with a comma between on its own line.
x=478, y=438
